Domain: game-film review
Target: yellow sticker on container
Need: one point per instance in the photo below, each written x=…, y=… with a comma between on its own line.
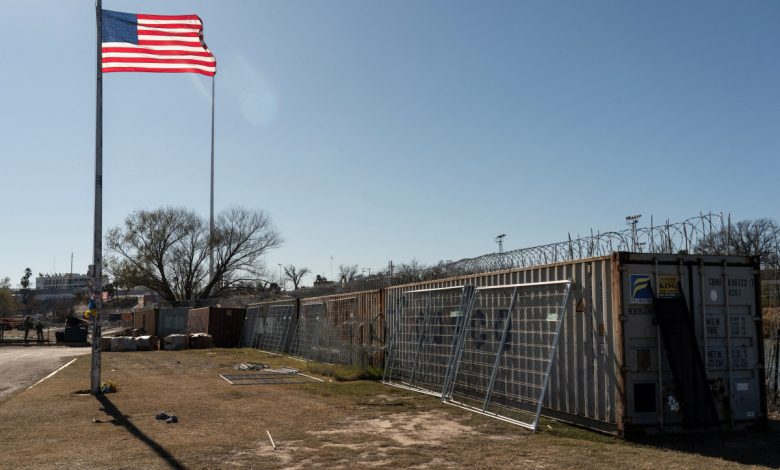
x=667, y=286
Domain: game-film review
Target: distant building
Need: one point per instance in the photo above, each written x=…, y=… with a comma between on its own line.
x=62, y=286
x=64, y=282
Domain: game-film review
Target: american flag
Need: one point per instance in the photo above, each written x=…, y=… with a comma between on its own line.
x=155, y=43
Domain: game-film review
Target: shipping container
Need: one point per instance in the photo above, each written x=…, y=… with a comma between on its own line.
x=172, y=320
x=223, y=324
x=146, y=321
x=644, y=343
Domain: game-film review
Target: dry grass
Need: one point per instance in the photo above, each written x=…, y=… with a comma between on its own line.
x=334, y=424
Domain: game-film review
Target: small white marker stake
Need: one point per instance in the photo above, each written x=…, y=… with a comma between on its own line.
x=271, y=438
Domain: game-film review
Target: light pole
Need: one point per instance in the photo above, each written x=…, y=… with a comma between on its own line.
x=500, y=241
x=632, y=221
x=280, y=276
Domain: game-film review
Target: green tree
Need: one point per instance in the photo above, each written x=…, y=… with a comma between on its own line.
x=25, y=283
x=8, y=303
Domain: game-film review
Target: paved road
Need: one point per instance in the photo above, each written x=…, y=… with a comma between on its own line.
x=22, y=366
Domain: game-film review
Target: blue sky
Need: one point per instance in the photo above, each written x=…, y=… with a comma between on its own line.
x=372, y=131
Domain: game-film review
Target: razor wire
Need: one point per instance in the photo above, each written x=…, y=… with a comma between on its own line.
x=688, y=236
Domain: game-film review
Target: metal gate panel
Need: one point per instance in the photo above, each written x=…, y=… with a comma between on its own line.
x=248, y=331
x=278, y=328
x=306, y=341
x=507, y=346
x=423, y=338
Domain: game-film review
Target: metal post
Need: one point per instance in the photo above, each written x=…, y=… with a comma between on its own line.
x=211, y=197
x=500, y=352
x=725, y=281
x=97, y=247
x=659, y=348
x=562, y=315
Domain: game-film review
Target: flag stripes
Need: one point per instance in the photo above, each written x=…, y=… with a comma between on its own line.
x=155, y=43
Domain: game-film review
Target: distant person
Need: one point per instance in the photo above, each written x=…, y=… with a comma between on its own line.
x=39, y=331
x=2, y=329
x=28, y=323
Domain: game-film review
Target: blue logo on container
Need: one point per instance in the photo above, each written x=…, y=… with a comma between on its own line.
x=640, y=289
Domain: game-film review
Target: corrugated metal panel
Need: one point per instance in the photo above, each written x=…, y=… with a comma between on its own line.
x=248, y=330
x=198, y=320
x=606, y=329
x=172, y=320
x=223, y=324
x=146, y=321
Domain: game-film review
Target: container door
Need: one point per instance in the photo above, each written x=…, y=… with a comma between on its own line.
x=651, y=395
x=726, y=320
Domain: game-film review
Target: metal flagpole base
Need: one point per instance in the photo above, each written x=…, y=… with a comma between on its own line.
x=95, y=371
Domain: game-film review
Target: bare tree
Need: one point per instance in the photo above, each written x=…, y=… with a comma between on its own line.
x=295, y=274
x=167, y=250
x=760, y=237
x=347, y=272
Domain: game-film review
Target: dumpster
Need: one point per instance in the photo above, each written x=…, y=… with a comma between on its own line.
x=75, y=331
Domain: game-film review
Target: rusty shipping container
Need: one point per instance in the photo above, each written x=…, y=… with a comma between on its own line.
x=223, y=324
x=648, y=343
x=146, y=321
x=172, y=320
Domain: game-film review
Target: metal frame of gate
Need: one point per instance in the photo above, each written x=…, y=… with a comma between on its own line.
x=423, y=341
x=306, y=339
x=486, y=349
x=506, y=351
x=278, y=326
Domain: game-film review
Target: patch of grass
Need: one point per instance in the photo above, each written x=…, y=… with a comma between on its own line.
x=345, y=373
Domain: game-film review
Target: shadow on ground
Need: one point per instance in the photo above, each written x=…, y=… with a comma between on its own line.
x=119, y=419
x=752, y=447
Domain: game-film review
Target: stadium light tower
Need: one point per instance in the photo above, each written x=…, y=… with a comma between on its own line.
x=632, y=220
x=500, y=241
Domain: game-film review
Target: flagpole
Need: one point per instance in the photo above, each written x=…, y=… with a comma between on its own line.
x=211, y=205
x=97, y=247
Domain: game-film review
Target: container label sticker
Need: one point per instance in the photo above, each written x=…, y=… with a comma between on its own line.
x=739, y=325
x=742, y=386
x=667, y=286
x=715, y=326
x=740, y=358
x=640, y=289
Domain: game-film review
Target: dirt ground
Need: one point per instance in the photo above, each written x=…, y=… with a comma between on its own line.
x=314, y=425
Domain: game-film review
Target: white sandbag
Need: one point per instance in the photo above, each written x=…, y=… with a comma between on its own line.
x=147, y=343
x=123, y=344
x=201, y=341
x=176, y=342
